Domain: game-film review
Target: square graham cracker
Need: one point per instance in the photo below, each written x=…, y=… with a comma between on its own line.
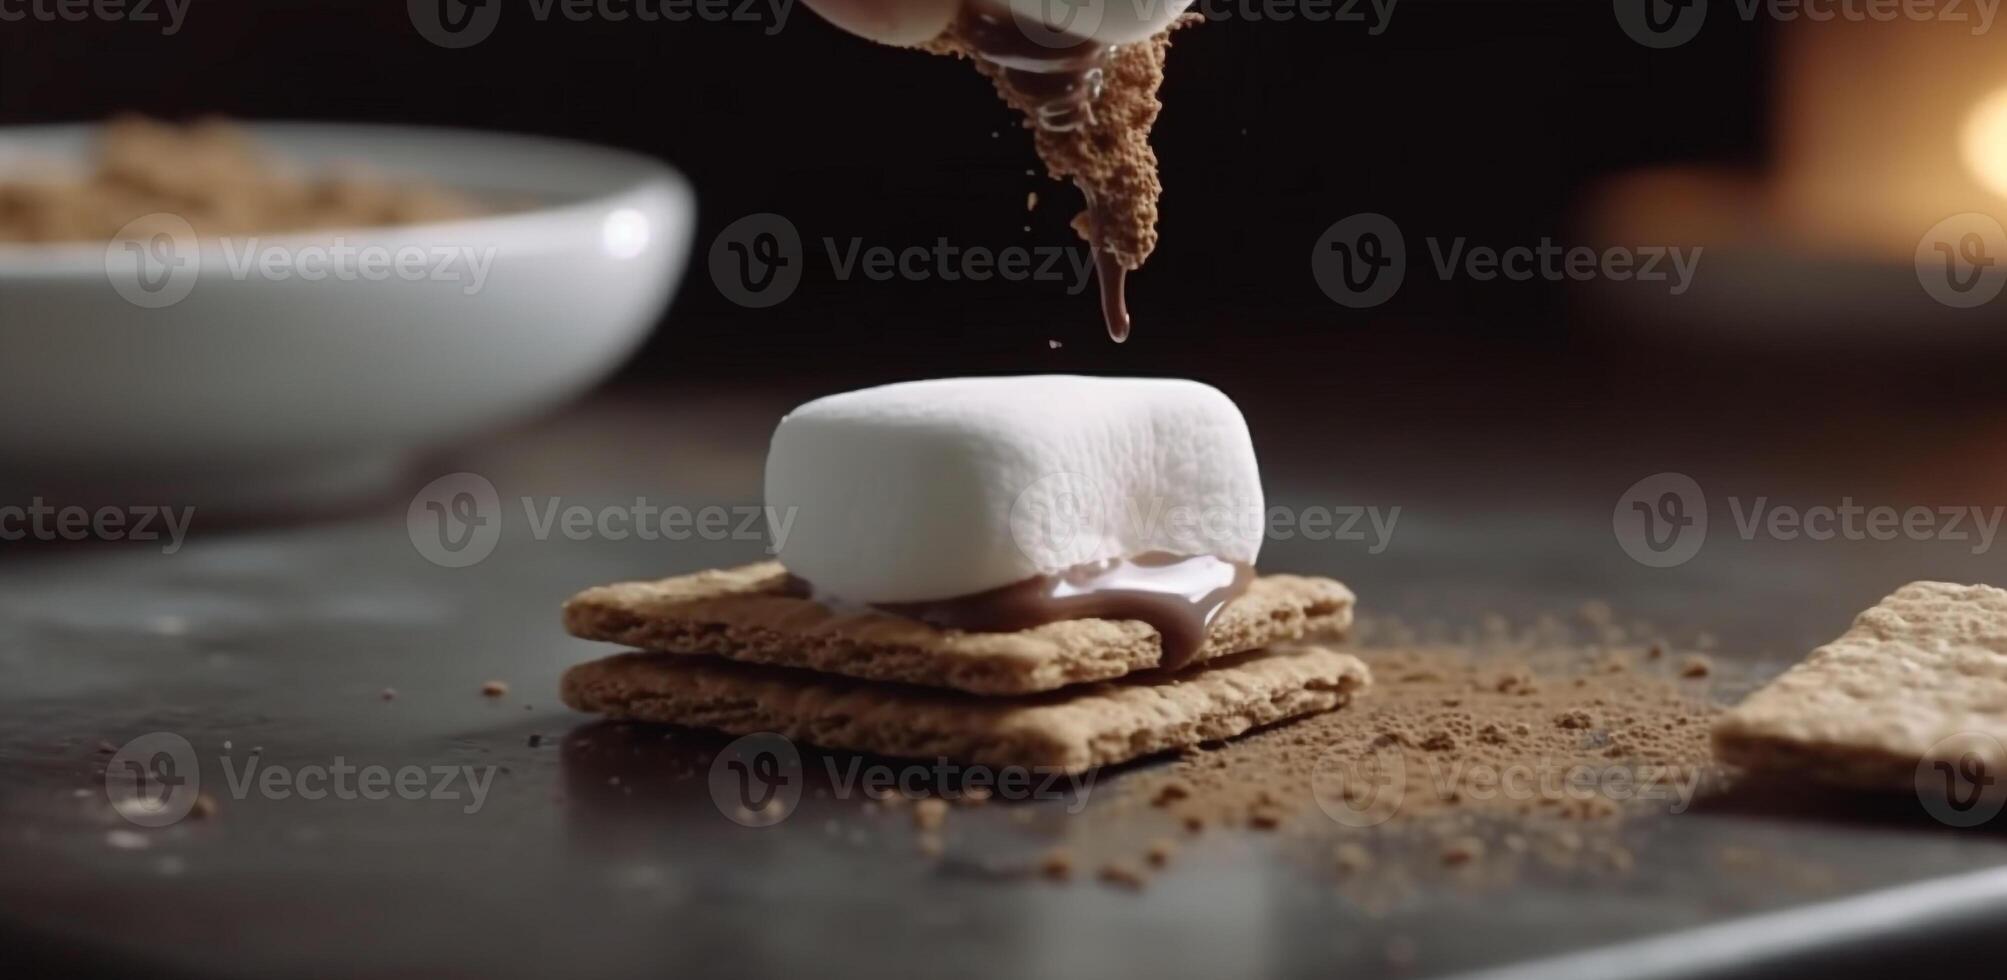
x=747, y=614
x=1926, y=665
x=1072, y=730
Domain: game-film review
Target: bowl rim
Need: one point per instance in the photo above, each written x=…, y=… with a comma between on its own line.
x=637, y=175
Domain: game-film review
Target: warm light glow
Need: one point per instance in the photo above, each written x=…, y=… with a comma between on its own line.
x=1986, y=142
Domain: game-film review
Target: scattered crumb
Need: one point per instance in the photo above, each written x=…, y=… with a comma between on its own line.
x=128, y=840
x=930, y=845
x=1056, y=865
x=1462, y=850
x=1122, y=875
x=930, y=813
x=494, y=689
x=388, y=694
x=1159, y=852
x=1352, y=858
x=204, y=807
x=1696, y=665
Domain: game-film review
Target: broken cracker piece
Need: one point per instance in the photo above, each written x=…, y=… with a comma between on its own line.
x=1922, y=668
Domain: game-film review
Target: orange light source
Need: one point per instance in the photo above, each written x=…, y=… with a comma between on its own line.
x=1985, y=142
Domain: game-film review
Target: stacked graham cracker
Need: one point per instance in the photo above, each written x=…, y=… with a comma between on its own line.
x=742, y=651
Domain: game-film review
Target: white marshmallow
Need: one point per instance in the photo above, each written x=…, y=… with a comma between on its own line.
x=937, y=489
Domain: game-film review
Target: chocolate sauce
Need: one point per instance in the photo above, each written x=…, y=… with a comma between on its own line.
x=1178, y=596
x=1060, y=76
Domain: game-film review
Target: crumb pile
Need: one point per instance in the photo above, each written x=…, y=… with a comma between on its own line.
x=1109, y=157
x=213, y=176
x=1464, y=756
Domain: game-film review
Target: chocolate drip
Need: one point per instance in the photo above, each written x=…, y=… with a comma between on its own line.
x=1059, y=76
x=1178, y=596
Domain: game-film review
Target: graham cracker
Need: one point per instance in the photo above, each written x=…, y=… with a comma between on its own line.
x=1926, y=664
x=748, y=614
x=1072, y=731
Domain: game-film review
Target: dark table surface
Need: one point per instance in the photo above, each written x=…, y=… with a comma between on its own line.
x=595, y=853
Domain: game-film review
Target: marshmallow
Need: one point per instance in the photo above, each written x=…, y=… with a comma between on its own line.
x=937, y=489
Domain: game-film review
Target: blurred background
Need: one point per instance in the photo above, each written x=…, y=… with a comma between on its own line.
x=1501, y=123
x=1838, y=342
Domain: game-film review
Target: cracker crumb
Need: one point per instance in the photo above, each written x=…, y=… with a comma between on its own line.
x=494, y=689
x=1057, y=864
x=930, y=813
x=1122, y=875
x=1696, y=665
x=204, y=807
x=1352, y=858
x=1462, y=850
x=388, y=694
x=1159, y=852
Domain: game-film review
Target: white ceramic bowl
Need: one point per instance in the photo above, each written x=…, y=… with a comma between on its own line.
x=183, y=368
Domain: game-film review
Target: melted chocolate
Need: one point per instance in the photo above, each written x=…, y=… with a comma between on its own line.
x=1177, y=596
x=1060, y=75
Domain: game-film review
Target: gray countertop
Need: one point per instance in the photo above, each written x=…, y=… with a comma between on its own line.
x=595, y=853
